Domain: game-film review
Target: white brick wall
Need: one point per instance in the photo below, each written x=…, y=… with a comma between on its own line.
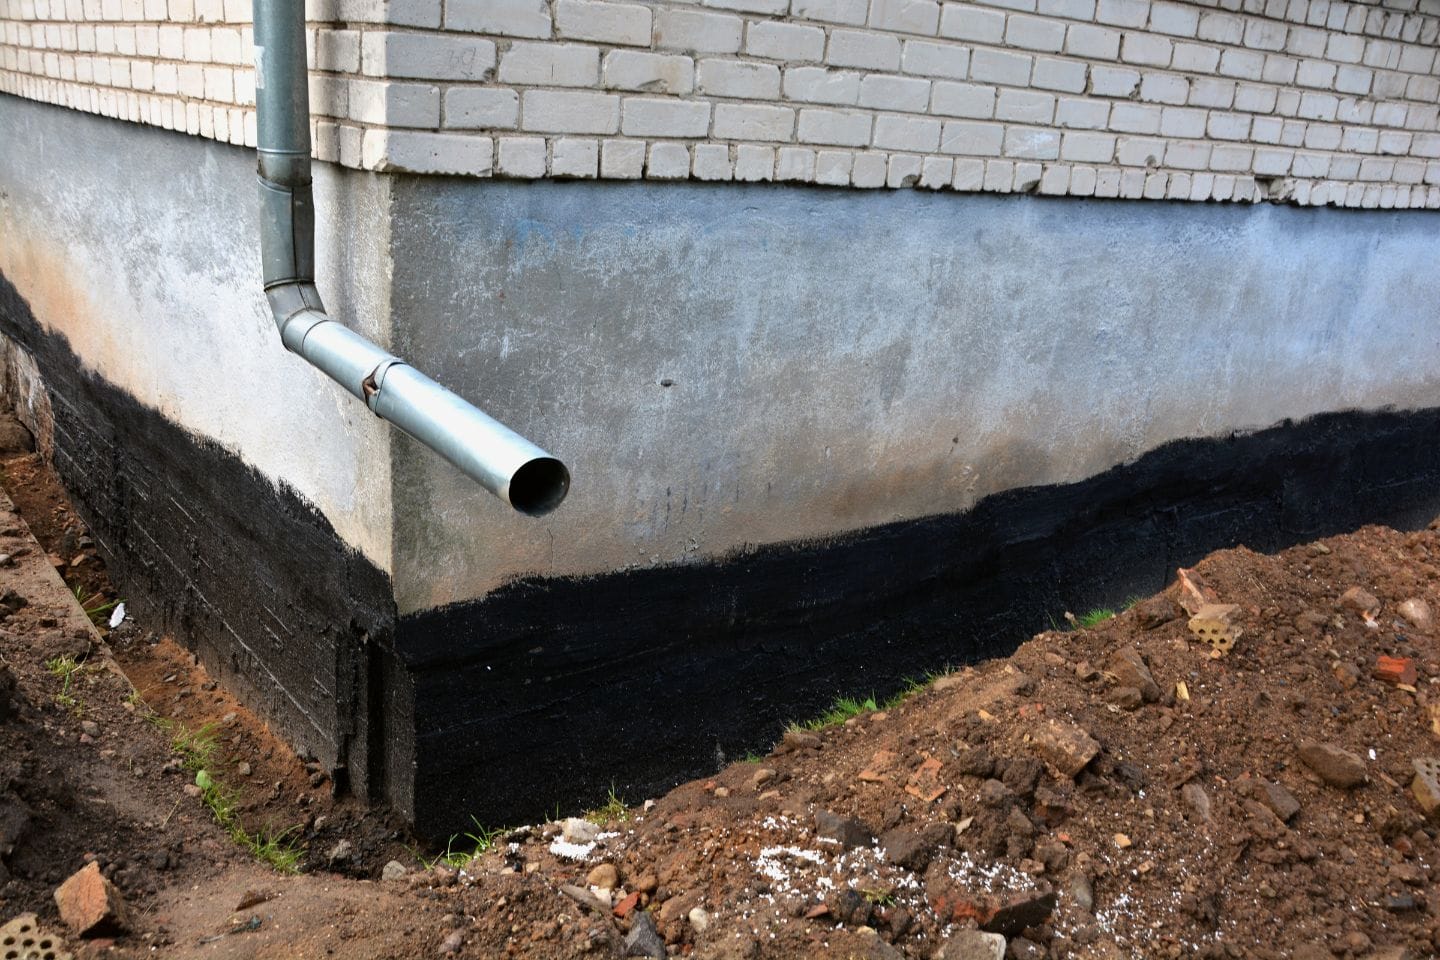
x=1303, y=101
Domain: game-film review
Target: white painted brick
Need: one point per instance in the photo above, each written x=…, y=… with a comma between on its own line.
x=743, y=121
x=1254, y=98
x=850, y=12
x=795, y=163
x=1031, y=143
x=650, y=72
x=1316, y=73
x=604, y=21
x=622, y=159
x=885, y=92
x=697, y=31
x=551, y=65
x=855, y=48
x=832, y=167
x=1231, y=158
x=406, y=151
x=998, y=66
x=1066, y=76
x=904, y=170
x=819, y=85
x=711, y=161
x=569, y=111
x=1146, y=49
x=1140, y=151
x=969, y=175
x=753, y=163
x=791, y=42
x=963, y=100
x=1082, y=181
x=972, y=139
x=895, y=132
x=1025, y=106
x=1221, y=28
x=738, y=78
x=1209, y=92
x=1075, y=113
x=520, y=157
x=1035, y=33
x=396, y=104
x=1120, y=82
x=929, y=59
x=1087, y=147
x=667, y=161
x=1164, y=88
x=966, y=21
x=1228, y=126
x=1097, y=43
x=664, y=117
x=481, y=108
x=834, y=127
x=575, y=157
x=750, y=6
x=868, y=170
x=1180, y=122
x=1123, y=13
x=508, y=18
x=1135, y=118
x=935, y=172
x=1175, y=19
x=422, y=56
x=906, y=16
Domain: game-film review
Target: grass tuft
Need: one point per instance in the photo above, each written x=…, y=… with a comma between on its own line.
x=480, y=841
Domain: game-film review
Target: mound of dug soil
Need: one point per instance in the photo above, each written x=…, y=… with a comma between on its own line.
x=1242, y=766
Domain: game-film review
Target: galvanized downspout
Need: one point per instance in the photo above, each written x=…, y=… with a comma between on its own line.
x=500, y=460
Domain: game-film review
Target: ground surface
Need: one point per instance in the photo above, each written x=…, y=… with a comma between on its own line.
x=1213, y=818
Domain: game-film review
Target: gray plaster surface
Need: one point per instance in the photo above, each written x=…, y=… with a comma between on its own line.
x=842, y=359
x=142, y=248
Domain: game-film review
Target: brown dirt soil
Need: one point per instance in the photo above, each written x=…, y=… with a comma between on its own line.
x=1199, y=827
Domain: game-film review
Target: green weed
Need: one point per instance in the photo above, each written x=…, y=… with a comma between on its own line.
x=65, y=669
x=613, y=809
x=480, y=841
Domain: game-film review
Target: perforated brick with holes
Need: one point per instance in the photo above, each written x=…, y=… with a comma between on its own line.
x=24, y=939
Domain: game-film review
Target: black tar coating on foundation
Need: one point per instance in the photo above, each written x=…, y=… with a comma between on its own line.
x=548, y=692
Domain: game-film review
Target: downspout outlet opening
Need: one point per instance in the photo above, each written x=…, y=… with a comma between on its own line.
x=539, y=486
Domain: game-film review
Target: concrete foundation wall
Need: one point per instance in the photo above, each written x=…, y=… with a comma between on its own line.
x=842, y=360
x=142, y=248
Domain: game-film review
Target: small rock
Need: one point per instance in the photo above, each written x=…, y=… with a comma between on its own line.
x=1419, y=614
x=1360, y=600
x=1126, y=698
x=394, y=870
x=1278, y=799
x=605, y=876
x=1157, y=611
x=1064, y=746
x=1198, y=800
x=644, y=940
x=848, y=832
x=453, y=942
x=1337, y=767
x=699, y=919
x=343, y=850
x=1130, y=670
x=579, y=830
x=974, y=945
x=1394, y=670
x=91, y=905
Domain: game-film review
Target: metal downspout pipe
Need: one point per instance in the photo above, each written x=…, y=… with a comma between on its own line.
x=503, y=462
